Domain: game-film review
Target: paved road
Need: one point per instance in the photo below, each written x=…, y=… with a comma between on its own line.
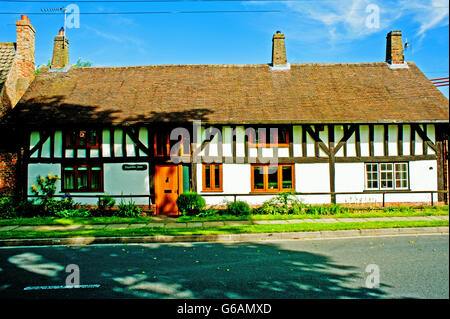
x=409, y=267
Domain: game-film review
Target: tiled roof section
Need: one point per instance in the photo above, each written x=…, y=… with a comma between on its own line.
x=307, y=93
x=7, y=52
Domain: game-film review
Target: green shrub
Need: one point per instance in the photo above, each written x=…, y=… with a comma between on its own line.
x=67, y=213
x=316, y=210
x=238, y=208
x=104, y=205
x=127, y=209
x=44, y=190
x=7, y=207
x=284, y=203
x=334, y=209
x=190, y=203
x=208, y=212
x=12, y=207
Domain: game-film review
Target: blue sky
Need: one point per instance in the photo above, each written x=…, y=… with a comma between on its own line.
x=325, y=31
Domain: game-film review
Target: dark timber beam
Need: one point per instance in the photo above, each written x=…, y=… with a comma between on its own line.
x=348, y=132
x=135, y=138
x=316, y=138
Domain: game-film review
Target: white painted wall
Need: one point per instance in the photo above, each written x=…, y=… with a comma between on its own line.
x=423, y=177
x=43, y=170
x=311, y=178
x=118, y=142
x=58, y=144
x=143, y=138
x=106, y=146
x=323, y=135
x=338, y=134
x=392, y=140
x=378, y=138
x=116, y=181
x=350, y=177
x=364, y=139
x=431, y=133
x=34, y=139
x=406, y=139
x=297, y=140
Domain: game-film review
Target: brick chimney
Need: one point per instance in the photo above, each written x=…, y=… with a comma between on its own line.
x=394, y=48
x=25, y=47
x=279, y=61
x=21, y=72
x=60, y=58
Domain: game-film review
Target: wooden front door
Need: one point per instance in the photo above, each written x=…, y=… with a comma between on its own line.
x=166, y=189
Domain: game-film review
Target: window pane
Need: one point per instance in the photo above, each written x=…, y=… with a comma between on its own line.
x=287, y=177
x=217, y=176
x=283, y=136
x=272, y=178
x=70, y=139
x=258, y=177
x=83, y=138
x=386, y=175
x=82, y=178
x=96, y=176
x=69, y=178
x=401, y=175
x=207, y=176
x=92, y=138
x=372, y=176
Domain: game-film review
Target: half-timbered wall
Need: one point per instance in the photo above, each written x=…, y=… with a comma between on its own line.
x=326, y=158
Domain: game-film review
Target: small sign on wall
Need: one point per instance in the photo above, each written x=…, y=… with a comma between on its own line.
x=134, y=167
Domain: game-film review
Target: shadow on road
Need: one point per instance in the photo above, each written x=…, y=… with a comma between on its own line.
x=202, y=270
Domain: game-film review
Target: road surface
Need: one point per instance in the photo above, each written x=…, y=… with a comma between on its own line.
x=379, y=267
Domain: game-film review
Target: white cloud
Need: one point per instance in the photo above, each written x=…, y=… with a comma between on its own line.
x=431, y=14
x=138, y=43
x=348, y=19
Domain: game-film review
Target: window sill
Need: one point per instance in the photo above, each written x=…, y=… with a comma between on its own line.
x=381, y=191
x=268, y=145
x=80, y=191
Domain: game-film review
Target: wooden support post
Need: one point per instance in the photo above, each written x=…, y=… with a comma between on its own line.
x=332, y=162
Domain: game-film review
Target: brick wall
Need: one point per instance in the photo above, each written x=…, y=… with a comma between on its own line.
x=20, y=76
x=8, y=163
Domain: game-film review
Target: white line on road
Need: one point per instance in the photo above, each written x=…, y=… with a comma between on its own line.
x=61, y=287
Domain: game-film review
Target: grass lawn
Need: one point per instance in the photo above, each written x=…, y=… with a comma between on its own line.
x=361, y=213
x=34, y=221
x=154, y=231
x=391, y=212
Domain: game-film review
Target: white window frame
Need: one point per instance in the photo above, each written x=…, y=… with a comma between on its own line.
x=407, y=175
x=379, y=172
x=366, y=181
